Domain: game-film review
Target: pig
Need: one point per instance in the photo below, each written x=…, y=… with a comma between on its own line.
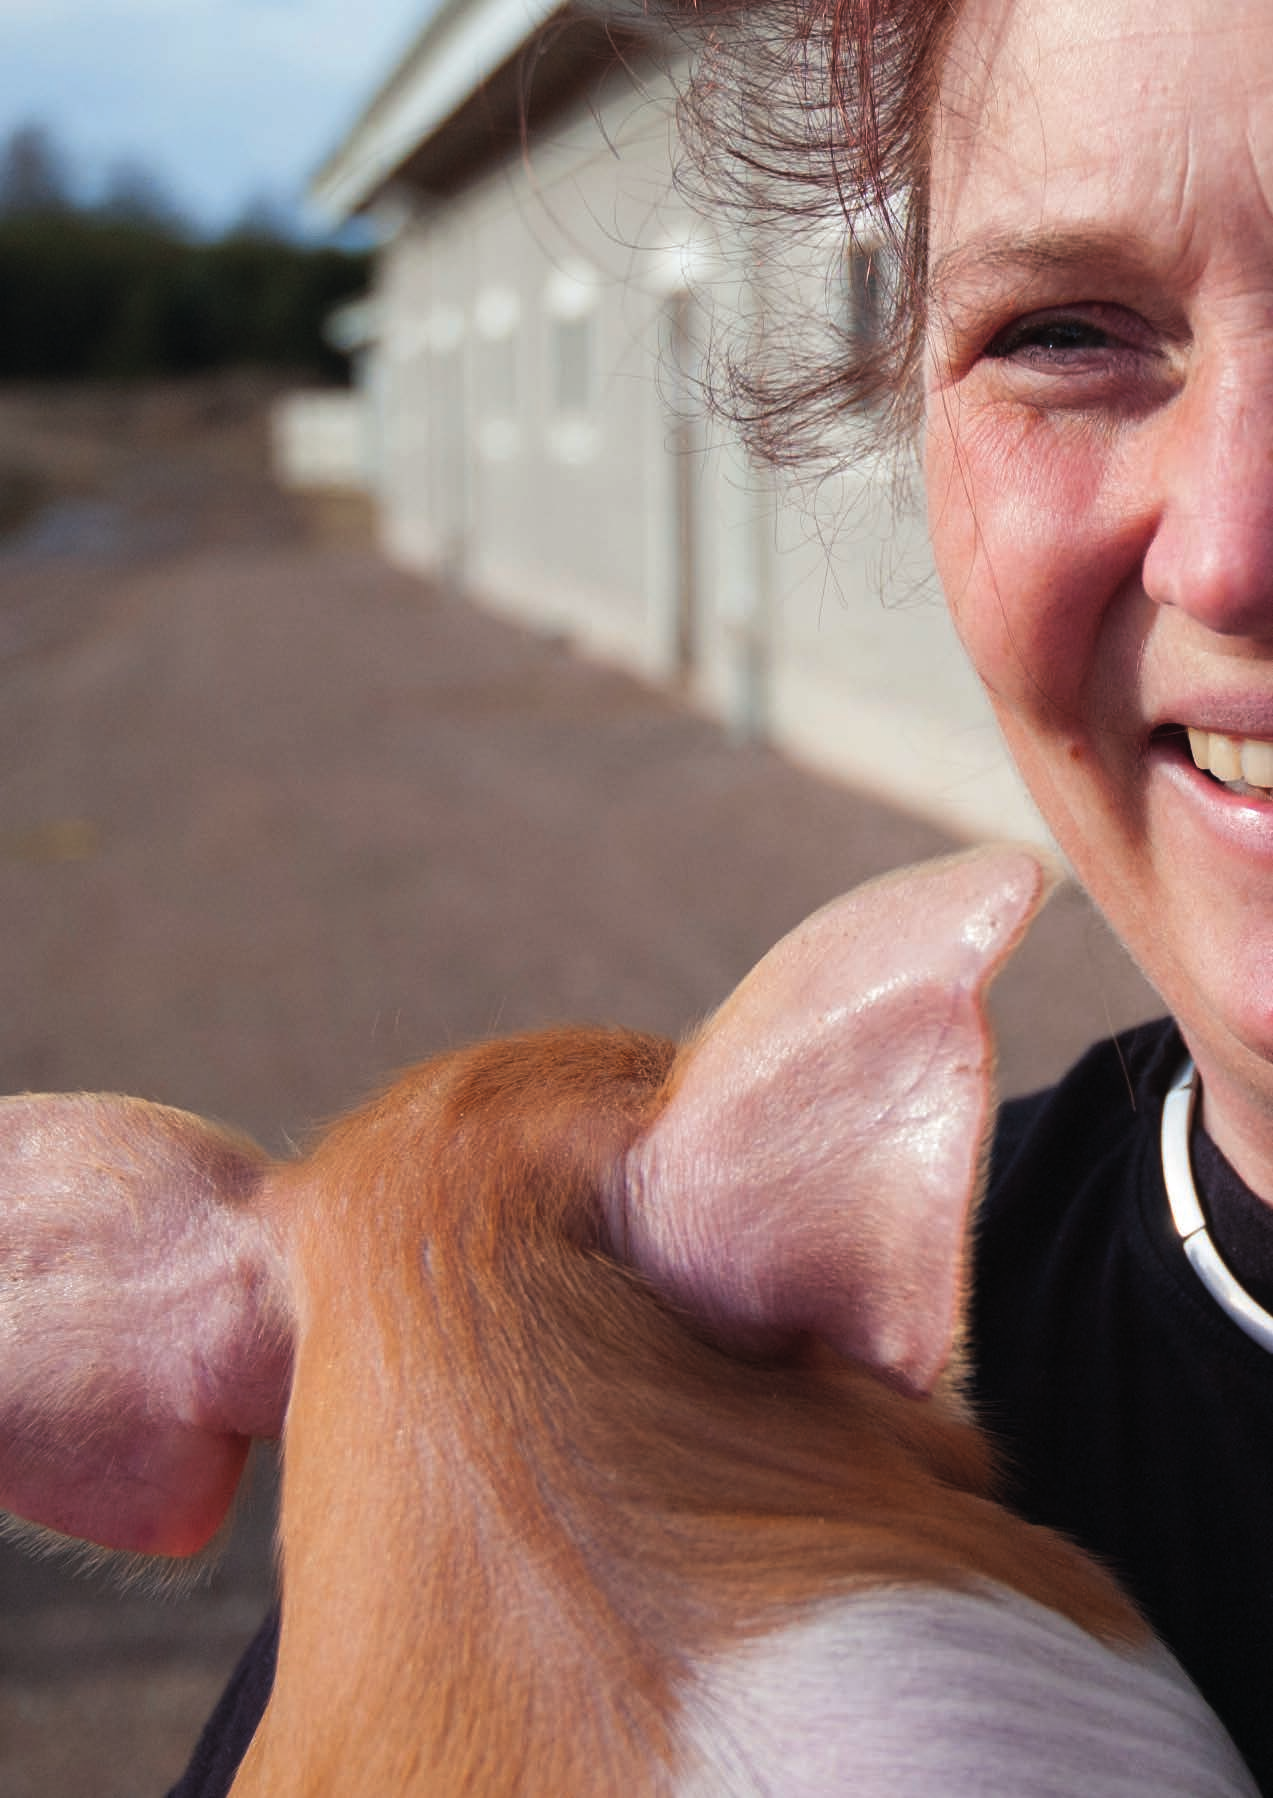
x=618, y=1387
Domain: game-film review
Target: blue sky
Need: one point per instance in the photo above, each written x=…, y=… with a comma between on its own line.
x=226, y=100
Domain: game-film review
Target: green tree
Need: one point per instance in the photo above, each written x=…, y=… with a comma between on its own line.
x=33, y=174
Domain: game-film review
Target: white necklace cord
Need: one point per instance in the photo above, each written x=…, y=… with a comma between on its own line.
x=1186, y=1210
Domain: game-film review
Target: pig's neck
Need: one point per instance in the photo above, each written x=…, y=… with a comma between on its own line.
x=578, y=1503
x=453, y=1612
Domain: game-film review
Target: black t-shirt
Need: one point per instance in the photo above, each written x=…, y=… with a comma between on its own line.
x=229, y=1730
x=1132, y=1413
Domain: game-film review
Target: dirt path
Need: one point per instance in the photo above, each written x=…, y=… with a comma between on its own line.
x=275, y=819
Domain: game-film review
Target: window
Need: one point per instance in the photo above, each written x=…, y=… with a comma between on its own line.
x=572, y=364
x=571, y=300
x=496, y=317
x=444, y=330
x=866, y=284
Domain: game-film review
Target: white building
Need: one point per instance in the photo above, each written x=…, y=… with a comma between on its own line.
x=533, y=431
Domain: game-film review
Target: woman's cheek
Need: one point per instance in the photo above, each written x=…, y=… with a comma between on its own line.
x=1021, y=547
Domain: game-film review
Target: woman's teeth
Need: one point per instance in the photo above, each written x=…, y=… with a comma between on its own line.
x=1243, y=764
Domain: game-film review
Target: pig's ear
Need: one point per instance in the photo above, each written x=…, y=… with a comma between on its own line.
x=814, y=1166
x=144, y=1334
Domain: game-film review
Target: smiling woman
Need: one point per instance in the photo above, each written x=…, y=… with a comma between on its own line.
x=1098, y=452
x=1079, y=194
x=1100, y=421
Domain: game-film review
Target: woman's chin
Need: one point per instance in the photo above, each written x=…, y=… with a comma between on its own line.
x=1185, y=878
x=1227, y=1023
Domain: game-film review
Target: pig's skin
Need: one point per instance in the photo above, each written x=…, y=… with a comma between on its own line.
x=924, y=1694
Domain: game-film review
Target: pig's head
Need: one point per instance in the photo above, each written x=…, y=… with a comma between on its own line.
x=805, y=1170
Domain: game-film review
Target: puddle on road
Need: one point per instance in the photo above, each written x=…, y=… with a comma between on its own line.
x=69, y=527
x=92, y=531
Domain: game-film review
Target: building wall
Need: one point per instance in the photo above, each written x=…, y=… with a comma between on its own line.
x=542, y=448
x=322, y=438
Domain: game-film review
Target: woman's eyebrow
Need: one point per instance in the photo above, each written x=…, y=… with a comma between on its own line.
x=1032, y=256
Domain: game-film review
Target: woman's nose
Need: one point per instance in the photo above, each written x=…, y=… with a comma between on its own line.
x=1211, y=554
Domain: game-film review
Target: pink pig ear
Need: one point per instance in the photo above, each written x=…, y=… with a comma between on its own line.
x=816, y=1162
x=144, y=1337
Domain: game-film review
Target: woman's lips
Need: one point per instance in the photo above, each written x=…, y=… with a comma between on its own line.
x=1236, y=815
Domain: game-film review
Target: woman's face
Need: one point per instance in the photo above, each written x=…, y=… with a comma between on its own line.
x=1099, y=450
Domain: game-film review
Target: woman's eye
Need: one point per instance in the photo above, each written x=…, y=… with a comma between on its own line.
x=1043, y=338
x=1076, y=354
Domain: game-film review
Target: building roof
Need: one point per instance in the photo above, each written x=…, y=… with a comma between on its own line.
x=480, y=77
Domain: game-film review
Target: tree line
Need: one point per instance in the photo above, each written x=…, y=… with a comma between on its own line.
x=124, y=288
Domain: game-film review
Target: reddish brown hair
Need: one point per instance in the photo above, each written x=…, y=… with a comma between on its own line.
x=803, y=119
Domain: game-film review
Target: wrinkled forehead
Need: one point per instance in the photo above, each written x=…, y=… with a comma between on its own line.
x=1056, y=114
